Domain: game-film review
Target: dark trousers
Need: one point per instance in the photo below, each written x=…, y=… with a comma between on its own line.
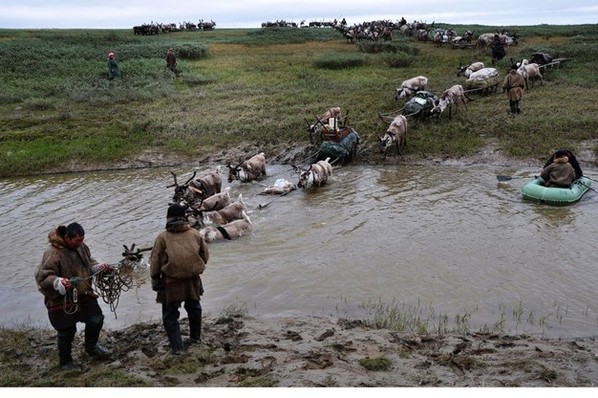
x=170, y=319
x=89, y=312
x=514, y=106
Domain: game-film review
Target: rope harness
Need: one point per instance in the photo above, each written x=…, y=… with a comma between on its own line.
x=108, y=284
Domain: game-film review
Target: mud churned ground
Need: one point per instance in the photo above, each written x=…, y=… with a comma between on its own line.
x=309, y=352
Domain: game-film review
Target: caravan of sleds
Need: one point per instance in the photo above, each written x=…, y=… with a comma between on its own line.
x=421, y=104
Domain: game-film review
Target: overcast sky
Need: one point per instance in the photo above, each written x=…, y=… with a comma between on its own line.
x=122, y=14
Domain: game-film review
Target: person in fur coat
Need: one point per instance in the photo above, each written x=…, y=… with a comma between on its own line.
x=64, y=278
x=559, y=173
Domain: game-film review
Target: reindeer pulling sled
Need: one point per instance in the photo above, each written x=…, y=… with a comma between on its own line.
x=419, y=107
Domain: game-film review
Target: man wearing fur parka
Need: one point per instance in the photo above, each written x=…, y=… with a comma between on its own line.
x=513, y=85
x=179, y=257
x=559, y=173
x=64, y=278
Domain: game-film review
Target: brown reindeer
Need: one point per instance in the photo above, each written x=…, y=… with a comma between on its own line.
x=396, y=133
x=248, y=170
x=196, y=189
x=233, y=211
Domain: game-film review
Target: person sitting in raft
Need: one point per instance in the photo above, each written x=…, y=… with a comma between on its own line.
x=572, y=160
x=559, y=173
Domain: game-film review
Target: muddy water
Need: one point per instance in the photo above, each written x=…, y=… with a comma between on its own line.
x=437, y=243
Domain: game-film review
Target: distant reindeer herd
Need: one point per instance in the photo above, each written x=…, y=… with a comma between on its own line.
x=155, y=28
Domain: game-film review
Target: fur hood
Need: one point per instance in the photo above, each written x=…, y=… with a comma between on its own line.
x=55, y=239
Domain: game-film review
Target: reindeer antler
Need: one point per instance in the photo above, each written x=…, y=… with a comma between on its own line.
x=175, y=182
x=191, y=178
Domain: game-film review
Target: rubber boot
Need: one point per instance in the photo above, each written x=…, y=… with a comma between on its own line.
x=93, y=327
x=193, y=308
x=65, y=346
x=170, y=320
x=176, y=341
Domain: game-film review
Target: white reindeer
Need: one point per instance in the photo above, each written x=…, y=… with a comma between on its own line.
x=411, y=86
x=529, y=72
x=316, y=175
x=450, y=97
x=232, y=230
x=469, y=69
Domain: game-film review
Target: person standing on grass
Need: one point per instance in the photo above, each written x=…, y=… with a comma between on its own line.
x=113, y=71
x=64, y=278
x=498, y=49
x=171, y=60
x=514, y=85
x=179, y=257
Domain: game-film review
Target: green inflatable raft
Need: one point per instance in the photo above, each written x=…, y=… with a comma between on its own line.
x=536, y=191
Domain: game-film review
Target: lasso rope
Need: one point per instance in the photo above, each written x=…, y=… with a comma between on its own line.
x=108, y=284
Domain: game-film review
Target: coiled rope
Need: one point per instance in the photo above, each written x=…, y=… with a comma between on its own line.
x=108, y=284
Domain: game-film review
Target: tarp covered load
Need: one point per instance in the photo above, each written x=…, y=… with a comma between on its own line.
x=420, y=105
x=344, y=149
x=483, y=82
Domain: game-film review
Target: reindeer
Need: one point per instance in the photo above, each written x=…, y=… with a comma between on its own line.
x=411, y=86
x=248, y=170
x=397, y=133
x=196, y=189
x=451, y=96
x=215, y=202
x=316, y=175
x=233, y=211
x=469, y=69
x=529, y=72
x=280, y=187
x=229, y=231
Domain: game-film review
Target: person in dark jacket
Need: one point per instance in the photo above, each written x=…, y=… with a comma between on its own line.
x=513, y=85
x=498, y=49
x=64, y=278
x=171, y=60
x=572, y=160
x=559, y=173
x=113, y=71
x=179, y=257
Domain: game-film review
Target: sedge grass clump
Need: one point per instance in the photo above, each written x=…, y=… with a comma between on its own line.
x=393, y=47
x=376, y=364
x=340, y=61
x=398, y=60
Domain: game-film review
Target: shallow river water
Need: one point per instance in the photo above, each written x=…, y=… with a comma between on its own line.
x=436, y=243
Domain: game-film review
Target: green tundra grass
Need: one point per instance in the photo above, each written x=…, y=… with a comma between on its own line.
x=252, y=86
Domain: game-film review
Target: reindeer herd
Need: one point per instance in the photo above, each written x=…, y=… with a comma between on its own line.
x=211, y=210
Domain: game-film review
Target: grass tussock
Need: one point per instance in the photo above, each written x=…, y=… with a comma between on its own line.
x=239, y=86
x=376, y=364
